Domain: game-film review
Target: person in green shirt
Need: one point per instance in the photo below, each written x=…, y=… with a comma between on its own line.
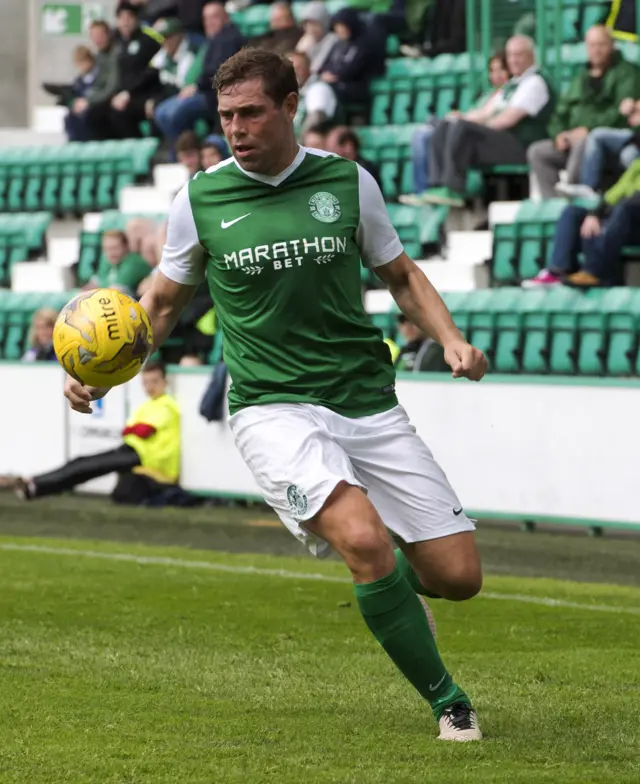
x=119, y=268
x=280, y=231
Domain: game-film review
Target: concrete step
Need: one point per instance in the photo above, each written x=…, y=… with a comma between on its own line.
x=503, y=212
x=145, y=199
x=469, y=247
x=40, y=276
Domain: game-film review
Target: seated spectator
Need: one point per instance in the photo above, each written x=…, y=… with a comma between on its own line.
x=499, y=133
x=599, y=235
x=317, y=40
x=75, y=123
x=120, y=117
x=420, y=142
x=592, y=100
x=174, y=62
x=315, y=137
x=119, y=266
x=41, y=336
x=419, y=353
x=283, y=33
x=604, y=144
x=198, y=101
x=317, y=101
x=343, y=141
x=147, y=462
x=355, y=58
x=146, y=238
x=188, y=152
x=105, y=84
x=214, y=150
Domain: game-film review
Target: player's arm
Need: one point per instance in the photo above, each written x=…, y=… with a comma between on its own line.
x=381, y=250
x=423, y=306
x=180, y=272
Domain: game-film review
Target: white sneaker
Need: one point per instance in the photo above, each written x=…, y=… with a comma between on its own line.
x=459, y=722
x=429, y=614
x=411, y=199
x=576, y=191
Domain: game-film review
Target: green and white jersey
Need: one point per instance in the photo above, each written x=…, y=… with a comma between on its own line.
x=282, y=256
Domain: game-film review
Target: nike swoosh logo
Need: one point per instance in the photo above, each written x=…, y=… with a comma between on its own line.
x=439, y=683
x=225, y=224
x=457, y=511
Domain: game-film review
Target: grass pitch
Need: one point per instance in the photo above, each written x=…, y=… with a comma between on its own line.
x=215, y=668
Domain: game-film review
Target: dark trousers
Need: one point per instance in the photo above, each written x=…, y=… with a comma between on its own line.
x=84, y=468
x=602, y=254
x=458, y=146
x=76, y=127
x=104, y=122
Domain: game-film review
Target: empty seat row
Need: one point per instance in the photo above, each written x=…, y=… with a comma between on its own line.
x=72, y=177
x=22, y=236
x=562, y=331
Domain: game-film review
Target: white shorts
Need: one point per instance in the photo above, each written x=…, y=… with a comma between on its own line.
x=299, y=452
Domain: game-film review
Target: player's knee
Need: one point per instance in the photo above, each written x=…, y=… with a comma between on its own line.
x=461, y=585
x=368, y=553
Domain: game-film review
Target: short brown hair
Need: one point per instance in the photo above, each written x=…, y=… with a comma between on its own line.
x=117, y=234
x=83, y=53
x=276, y=72
x=188, y=141
x=101, y=23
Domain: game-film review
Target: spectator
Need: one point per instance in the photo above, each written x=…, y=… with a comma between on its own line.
x=419, y=353
x=315, y=138
x=120, y=117
x=317, y=40
x=41, y=336
x=499, y=133
x=283, y=33
x=198, y=101
x=188, y=152
x=106, y=81
x=592, y=100
x=119, y=266
x=174, y=62
x=147, y=462
x=599, y=235
x=355, y=58
x=343, y=141
x=602, y=145
x=317, y=101
x=214, y=150
x=420, y=142
x=146, y=238
x=75, y=123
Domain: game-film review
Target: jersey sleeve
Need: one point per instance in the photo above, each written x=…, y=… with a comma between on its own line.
x=183, y=258
x=377, y=239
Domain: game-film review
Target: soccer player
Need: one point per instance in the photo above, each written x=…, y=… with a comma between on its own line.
x=280, y=232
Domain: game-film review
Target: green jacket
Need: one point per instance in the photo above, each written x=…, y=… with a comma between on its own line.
x=582, y=106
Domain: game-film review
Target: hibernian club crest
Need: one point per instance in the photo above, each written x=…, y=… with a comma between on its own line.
x=324, y=207
x=297, y=500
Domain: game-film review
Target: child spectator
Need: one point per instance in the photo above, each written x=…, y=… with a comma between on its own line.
x=41, y=336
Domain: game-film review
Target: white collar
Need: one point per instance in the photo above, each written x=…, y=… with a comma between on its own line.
x=278, y=178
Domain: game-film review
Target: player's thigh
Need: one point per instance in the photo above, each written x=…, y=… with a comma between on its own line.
x=294, y=460
x=349, y=522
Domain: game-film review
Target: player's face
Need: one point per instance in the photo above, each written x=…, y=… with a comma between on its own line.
x=154, y=383
x=257, y=130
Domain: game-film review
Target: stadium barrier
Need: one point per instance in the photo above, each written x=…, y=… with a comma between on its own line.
x=531, y=449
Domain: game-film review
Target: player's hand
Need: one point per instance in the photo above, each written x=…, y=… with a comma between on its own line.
x=465, y=360
x=80, y=397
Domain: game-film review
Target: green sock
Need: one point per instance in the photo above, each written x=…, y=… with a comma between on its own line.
x=393, y=613
x=407, y=571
